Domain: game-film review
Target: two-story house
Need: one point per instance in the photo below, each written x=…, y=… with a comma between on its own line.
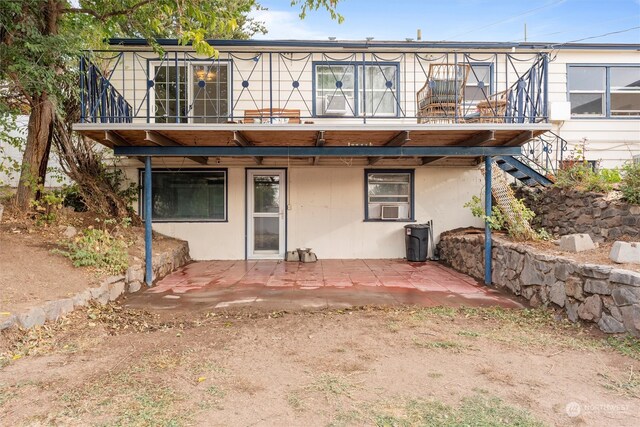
x=332, y=145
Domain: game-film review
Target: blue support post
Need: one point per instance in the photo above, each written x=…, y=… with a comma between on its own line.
x=148, y=276
x=487, y=229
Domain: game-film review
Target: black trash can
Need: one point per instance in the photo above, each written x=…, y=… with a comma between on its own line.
x=416, y=239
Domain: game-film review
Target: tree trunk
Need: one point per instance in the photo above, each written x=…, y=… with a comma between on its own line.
x=39, y=135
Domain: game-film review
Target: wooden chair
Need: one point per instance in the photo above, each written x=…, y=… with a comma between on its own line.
x=264, y=115
x=442, y=95
x=494, y=109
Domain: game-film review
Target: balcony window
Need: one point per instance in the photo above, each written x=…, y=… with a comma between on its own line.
x=389, y=195
x=478, y=86
x=197, y=92
x=188, y=195
x=376, y=86
x=604, y=91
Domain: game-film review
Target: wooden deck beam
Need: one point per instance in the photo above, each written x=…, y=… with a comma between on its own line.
x=164, y=141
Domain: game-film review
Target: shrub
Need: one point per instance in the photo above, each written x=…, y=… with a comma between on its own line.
x=630, y=185
x=582, y=176
x=99, y=249
x=520, y=228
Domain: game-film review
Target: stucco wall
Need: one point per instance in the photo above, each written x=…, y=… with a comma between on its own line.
x=327, y=211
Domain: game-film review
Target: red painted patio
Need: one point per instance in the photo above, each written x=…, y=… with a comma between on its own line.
x=278, y=285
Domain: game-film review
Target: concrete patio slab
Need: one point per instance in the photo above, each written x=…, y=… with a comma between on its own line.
x=335, y=284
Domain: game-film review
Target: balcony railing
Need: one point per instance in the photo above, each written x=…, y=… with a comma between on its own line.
x=134, y=86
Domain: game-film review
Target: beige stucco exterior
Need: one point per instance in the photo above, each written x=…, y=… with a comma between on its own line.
x=326, y=213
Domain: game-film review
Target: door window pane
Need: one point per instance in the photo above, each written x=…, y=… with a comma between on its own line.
x=266, y=194
x=266, y=233
x=188, y=196
x=210, y=93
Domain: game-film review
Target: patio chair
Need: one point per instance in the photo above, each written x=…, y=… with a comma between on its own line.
x=494, y=108
x=441, y=98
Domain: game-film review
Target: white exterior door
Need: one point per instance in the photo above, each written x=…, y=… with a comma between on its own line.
x=266, y=205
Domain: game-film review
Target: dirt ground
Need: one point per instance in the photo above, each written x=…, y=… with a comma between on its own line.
x=370, y=366
x=30, y=273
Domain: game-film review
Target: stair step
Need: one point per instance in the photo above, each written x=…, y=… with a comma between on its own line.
x=522, y=171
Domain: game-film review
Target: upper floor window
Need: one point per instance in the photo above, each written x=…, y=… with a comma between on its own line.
x=478, y=86
x=604, y=91
x=197, y=92
x=343, y=89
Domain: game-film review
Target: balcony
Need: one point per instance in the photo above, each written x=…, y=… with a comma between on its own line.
x=316, y=98
x=135, y=85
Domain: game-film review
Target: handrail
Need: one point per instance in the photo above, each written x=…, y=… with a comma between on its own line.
x=100, y=101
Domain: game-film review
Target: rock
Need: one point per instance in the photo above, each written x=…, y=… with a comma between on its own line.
x=115, y=290
x=134, y=286
x=573, y=287
x=610, y=325
x=625, y=252
x=81, y=299
x=595, y=270
x=100, y=294
x=631, y=318
x=536, y=272
x=598, y=286
x=572, y=310
x=557, y=294
x=135, y=273
x=591, y=309
x=625, y=277
x=113, y=279
x=31, y=318
x=7, y=321
x=70, y=232
x=626, y=296
x=576, y=243
x=54, y=309
x=1, y=212
x=563, y=270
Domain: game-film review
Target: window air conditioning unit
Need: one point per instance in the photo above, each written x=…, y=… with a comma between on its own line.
x=390, y=212
x=337, y=105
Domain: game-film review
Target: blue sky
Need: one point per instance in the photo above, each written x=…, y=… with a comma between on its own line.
x=461, y=20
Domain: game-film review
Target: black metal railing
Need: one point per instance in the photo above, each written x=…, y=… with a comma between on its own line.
x=100, y=100
x=180, y=87
x=545, y=153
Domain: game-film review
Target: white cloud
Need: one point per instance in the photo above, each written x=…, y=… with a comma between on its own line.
x=285, y=25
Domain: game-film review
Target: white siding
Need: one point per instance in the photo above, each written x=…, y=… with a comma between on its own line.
x=612, y=141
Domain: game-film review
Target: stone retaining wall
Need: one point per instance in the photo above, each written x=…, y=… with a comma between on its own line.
x=563, y=212
x=602, y=294
x=109, y=290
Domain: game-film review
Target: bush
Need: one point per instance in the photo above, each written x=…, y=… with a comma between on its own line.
x=99, y=249
x=630, y=185
x=581, y=176
x=520, y=229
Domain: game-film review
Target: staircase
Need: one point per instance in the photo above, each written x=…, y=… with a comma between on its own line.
x=539, y=162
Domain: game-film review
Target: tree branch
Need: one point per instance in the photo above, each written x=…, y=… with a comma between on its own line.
x=108, y=14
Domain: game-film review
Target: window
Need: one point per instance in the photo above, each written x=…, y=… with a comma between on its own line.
x=604, y=91
x=389, y=195
x=188, y=195
x=197, y=92
x=376, y=87
x=478, y=86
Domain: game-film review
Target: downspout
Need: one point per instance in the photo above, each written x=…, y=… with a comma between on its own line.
x=487, y=229
x=147, y=222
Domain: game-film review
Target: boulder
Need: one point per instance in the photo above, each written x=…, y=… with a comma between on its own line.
x=576, y=243
x=591, y=308
x=70, y=232
x=557, y=294
x=610, y=325
x=31, y=318
x=625, y=252
x=598, y=286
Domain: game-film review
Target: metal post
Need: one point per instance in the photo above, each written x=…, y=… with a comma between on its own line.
x=487, y=229
x=148, y=276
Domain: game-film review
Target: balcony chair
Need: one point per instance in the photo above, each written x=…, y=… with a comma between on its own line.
x=494, y=108
x=441, y=98
x=279, y=115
